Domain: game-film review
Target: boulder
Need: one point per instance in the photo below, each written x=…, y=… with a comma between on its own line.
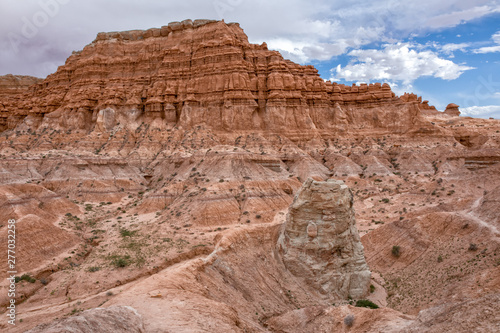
x=319, y=241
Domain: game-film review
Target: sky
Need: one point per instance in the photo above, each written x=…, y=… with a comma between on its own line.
x=445, y=51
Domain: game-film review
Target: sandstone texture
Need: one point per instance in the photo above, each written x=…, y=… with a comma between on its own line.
x=113, y=319
x=156, y=169
x=320, y=242
x=12, y=89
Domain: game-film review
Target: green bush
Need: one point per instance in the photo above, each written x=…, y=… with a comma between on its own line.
x=126, y=233
x=364, y=303
x=396, y=250
x=25, y=277
x=121, y=261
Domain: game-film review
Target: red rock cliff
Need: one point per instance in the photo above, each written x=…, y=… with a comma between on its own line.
x=189, y=73
x=12, y=88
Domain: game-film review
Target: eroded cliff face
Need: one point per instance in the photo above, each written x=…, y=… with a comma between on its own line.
x=320, y=243
x=201, y=72
x=12, y=88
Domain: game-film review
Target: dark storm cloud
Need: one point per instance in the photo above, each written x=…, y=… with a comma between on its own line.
x=37, y=36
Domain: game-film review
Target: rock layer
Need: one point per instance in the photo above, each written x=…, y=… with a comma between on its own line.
x=113, y=319
x=201, y=72
x=12, y=88
x=320, y=242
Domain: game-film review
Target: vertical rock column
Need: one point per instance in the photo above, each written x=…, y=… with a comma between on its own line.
x=319, y=241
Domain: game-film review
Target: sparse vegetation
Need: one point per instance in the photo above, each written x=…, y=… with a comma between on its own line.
x=120, y=261
x=127, y=233
x=396, y=251
x=93, y=269
x=365, y=303
x=25, y=277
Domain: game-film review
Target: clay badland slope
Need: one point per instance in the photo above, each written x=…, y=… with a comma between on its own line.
x=155, y=170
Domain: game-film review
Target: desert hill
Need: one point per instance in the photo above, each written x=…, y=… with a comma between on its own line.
x=154, y=175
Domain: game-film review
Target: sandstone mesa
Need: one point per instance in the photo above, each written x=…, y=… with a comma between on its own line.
x=181, y=179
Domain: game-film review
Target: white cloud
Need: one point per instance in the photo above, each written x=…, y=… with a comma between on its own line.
x=346, y=26
x=457, y=17
x=496, y=37
x=398, y=62
x=491, y=49
x=488, y=49
x=482, y=111
x=451, y=47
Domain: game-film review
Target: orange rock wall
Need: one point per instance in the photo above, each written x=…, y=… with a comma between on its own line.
x=191, y=73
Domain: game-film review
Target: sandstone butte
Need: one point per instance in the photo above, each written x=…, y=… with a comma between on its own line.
x=182, y=179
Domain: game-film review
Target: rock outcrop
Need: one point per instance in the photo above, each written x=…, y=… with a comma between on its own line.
x=452, y=110
x=320, y=243
x=202, y=72
x=113, y=319
x=12, y=88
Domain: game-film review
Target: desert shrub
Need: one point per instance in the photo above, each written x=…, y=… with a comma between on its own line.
x=349, y=320
x=440, y=258
x=93, y=269
x=472, y=247
x=385, y=200
x=121, y=261
x=25, y=277
x=372, y=288
x=364, y=303
x=396, y=251
x=126, y=233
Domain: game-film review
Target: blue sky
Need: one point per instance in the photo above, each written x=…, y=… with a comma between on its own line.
x=446, y=51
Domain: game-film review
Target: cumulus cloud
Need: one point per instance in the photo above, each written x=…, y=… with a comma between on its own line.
x=491, y=49
x=397, y=62
x=482, y=111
